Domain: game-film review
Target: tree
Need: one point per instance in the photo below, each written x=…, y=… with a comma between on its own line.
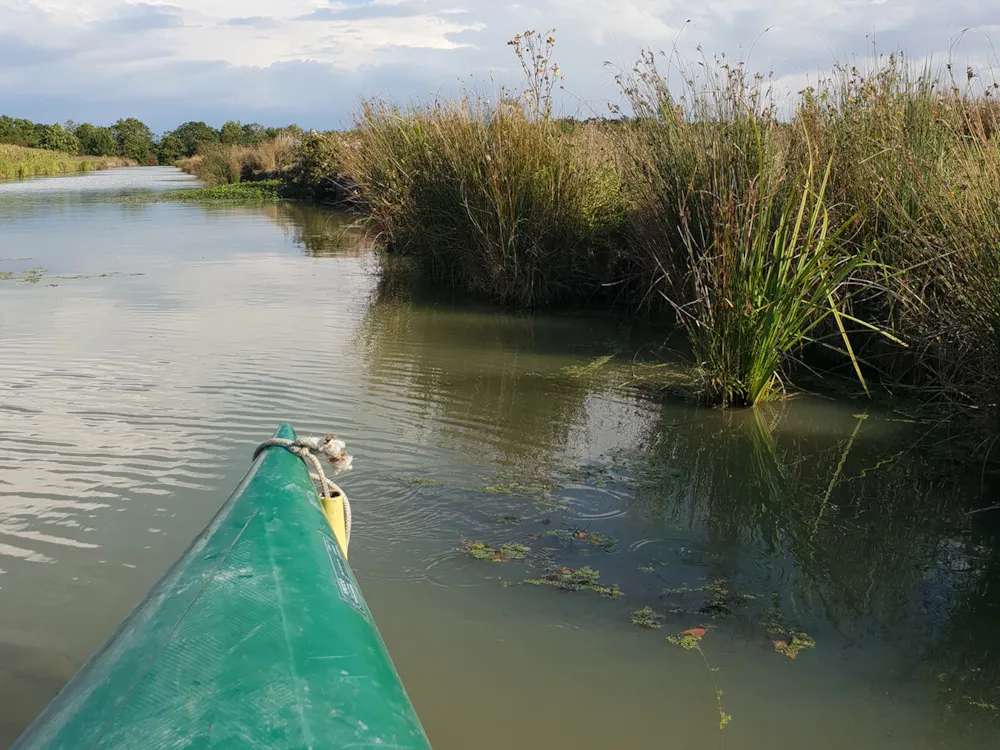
x=96, y=140
x=292, y=130
x=56, y=138
x=170, y=149
x=192, y=134
x=252, y=134
x=17, y=131
x=232, y=133
x=134, y=139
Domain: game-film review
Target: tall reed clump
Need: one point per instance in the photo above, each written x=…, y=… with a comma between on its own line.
x=916, y=159
x=228, y=164
x=488, y=194
x=217, y=164
x=732, y=229
x=19, y=162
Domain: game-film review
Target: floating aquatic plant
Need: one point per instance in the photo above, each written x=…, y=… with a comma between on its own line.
x=690, y=640
x=590, y=537
x=645, y=617
x=576, y=580
x=483, y=551
x=788, y=640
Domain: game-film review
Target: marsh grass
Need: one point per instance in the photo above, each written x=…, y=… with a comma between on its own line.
x=488, y=194
x=864, y=225
x=228, y=164
x=916, y=159
x=20, y=163
x=733, y=230
x=487, y=197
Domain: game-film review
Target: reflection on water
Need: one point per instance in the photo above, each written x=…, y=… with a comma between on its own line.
x=131, y=403
x=321, y=234
x=855, y=529
x=494, y=384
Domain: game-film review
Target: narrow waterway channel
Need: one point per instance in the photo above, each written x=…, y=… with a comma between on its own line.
x=145, y=348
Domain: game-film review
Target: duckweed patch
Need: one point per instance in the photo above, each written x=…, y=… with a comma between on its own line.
x=420, y=481
x=645, y=617
x=482, y=551
x=688, y=639
x=581, y=535
x=787, y=639
x=511, y=483
x=794, y=645
x=580, y=579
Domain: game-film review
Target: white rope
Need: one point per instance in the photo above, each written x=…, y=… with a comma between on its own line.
x=335, y=451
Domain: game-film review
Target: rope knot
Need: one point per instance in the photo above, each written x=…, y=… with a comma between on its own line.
x=335, y=451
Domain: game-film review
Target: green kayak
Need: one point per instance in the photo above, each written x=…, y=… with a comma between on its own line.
x=257, y=637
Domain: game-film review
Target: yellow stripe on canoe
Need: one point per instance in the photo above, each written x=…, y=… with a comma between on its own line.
x=333, y=509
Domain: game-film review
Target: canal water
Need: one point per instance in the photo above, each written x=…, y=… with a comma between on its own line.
x=147, y=347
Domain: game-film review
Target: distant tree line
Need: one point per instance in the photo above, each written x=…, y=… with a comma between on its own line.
x=132, y=138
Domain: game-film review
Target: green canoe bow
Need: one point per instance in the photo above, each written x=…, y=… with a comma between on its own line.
x=257, y=637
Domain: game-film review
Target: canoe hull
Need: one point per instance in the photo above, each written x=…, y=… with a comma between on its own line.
x=258, y=637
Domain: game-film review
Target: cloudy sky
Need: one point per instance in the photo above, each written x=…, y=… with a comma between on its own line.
x=308, y=61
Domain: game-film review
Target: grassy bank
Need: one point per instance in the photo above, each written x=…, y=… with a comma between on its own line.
x=19, y=163
x=852, y=228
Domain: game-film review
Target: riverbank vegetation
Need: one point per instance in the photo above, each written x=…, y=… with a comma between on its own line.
x=849, y=229
x=18, y=163
x=132, y=139
x=310, y=166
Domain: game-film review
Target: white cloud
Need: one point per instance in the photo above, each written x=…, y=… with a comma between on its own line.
x=308, y=60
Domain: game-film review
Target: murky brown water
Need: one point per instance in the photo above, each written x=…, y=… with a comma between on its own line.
x=161, y=342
